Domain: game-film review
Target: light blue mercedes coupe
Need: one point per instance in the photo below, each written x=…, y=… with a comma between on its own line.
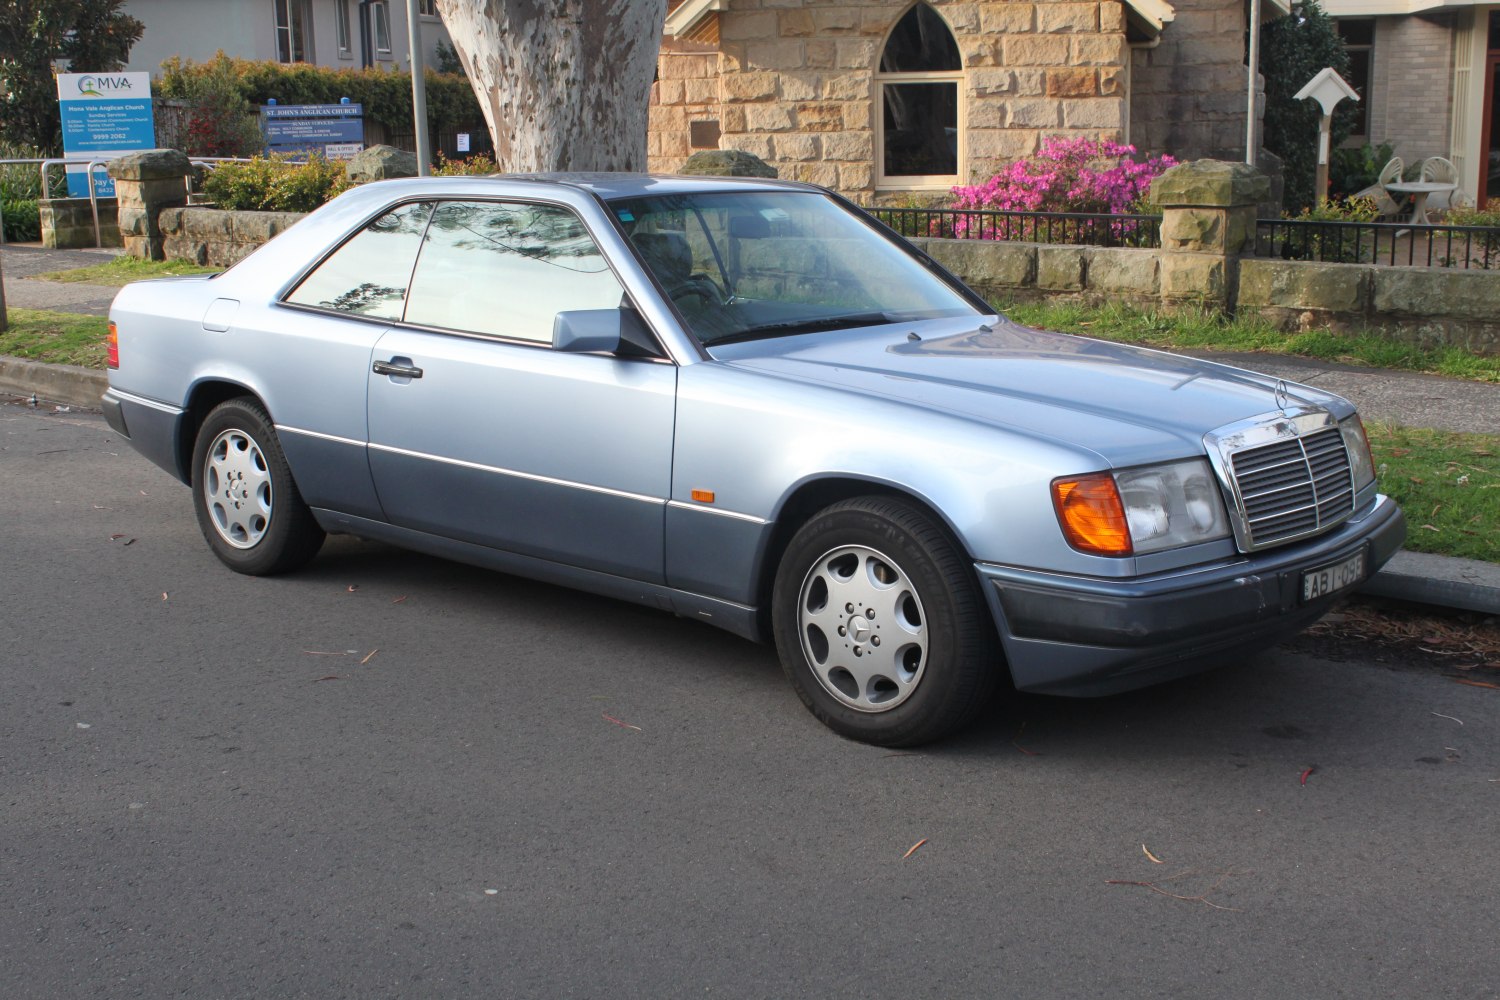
x=748, y=403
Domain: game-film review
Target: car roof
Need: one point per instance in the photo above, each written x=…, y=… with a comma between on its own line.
x=609, y=186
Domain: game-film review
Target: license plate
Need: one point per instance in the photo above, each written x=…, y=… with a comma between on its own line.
x=1331, y=579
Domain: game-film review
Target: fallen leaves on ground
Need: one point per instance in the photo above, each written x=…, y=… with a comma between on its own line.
x=611, y=718
x=1461, y=640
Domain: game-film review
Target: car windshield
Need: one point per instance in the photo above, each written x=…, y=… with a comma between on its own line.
x=750, y=264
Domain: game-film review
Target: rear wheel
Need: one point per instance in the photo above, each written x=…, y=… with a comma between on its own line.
x=879, y=624
x=248, y=507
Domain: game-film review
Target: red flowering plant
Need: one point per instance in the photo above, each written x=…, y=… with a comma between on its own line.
x=1065, y=175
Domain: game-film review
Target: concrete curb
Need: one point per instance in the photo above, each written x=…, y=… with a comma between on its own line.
x=1465, y=584
x=68, y=384
x=1442, y=581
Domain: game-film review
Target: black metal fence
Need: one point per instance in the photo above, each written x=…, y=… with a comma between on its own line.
x=1076, y=228
x=1391, y=243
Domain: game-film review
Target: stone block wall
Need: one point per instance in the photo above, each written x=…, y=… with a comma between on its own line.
x=1003, y=271
x=1426, y=306
x=796, y=85
x=216, y=237
x=1189, y=92
x=68, y=223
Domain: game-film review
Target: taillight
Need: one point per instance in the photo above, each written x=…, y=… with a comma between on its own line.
x=1091, y=515
x=112, y=346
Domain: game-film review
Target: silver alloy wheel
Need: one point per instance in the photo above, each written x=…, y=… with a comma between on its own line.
x=237, y=488
x=862, y=627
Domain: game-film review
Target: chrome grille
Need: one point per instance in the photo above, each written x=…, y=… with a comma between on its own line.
x=1293, y=487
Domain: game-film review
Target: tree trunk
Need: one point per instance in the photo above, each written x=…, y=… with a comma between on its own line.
x=564, y=84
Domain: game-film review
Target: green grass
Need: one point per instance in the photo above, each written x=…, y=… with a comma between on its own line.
x=1448, y=484
x=1201, y=330
x=56, y=338
x=124, y=269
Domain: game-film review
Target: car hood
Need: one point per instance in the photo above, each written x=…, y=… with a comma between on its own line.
x=1128, y=404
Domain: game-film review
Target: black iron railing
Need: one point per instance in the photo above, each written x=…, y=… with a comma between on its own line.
x=1390, y=243
x=1077, y=228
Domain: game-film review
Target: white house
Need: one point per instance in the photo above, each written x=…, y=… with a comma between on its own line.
x=334, y=33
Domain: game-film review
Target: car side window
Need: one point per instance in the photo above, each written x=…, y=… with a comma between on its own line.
x=506, y=269
x=368, y=274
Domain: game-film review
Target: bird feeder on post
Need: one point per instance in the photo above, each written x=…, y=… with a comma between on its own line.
x=1327, y=88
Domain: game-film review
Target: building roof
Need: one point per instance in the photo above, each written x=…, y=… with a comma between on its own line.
x=1373, y=8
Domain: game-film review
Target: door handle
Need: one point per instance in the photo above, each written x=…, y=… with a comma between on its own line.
x=391, y=368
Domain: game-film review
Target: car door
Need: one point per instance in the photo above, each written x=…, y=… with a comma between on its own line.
x=316, y=345
x=480, y=431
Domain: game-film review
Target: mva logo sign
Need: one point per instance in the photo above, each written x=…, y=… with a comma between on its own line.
x=104, y=115
x=100, y=86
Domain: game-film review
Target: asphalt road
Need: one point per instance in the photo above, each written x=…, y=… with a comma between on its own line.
x=194, y=806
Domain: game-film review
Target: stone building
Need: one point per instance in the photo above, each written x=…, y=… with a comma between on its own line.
x=887, y=99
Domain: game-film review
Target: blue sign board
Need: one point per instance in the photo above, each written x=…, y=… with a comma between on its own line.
x=104, y=115
x=336, y=131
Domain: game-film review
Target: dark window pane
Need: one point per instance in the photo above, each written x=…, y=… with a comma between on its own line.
x=1359, y=79
x=921, y=129
x=1495, y=29
x=1357, y=31
x=507, y=270
x=921, y=43
x=368, y=275
x=1492, y=171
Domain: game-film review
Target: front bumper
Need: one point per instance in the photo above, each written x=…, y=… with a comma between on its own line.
x=1088, y=636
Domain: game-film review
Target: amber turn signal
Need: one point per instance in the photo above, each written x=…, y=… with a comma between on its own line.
x=703, y=496
x=1091, y=515
x=112, y=346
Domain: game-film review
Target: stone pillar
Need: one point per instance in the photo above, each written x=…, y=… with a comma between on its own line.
x=145, y=184
x=1208, y=216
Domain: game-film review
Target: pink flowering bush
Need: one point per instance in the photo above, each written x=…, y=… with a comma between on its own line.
x=1062, y=177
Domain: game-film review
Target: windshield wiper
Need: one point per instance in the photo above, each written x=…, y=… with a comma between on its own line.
x=793, y=326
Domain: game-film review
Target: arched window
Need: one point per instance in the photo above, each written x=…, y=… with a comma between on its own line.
x=920, y=123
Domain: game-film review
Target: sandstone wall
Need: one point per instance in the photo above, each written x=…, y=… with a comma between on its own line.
x=68, y=223
x=217, y=237
x=796, y=86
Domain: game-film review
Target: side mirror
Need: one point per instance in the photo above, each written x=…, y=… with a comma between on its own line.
x=602, y=331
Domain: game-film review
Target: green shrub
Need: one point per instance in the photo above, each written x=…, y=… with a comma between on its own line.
x=1334, y=244
x=1484, y=250
x=271, y=184
x=385, y=94
x=480, y=165
x=1351, y=170
x=20, y=187
x=23, y=221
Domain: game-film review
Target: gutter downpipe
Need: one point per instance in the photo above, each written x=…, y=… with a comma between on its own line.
x=366, y=58
x=1253, y=71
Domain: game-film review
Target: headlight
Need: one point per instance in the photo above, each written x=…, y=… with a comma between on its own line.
x=1141, y=510
x=1358, y=446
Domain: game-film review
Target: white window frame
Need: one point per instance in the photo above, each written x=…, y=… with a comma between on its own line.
x=283, y=15
x=380, y=12
x=343, y=34
x=919, y=182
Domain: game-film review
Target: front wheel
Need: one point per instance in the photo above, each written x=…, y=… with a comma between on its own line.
x=879, y=625
x=248, y=507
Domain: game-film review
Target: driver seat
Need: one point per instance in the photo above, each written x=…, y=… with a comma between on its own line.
x=667, y=254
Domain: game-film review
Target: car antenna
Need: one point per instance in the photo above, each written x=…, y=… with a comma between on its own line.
x=912, y=337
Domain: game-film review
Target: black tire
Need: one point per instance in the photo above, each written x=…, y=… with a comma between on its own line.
x=248, y=507
x=927, y=643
